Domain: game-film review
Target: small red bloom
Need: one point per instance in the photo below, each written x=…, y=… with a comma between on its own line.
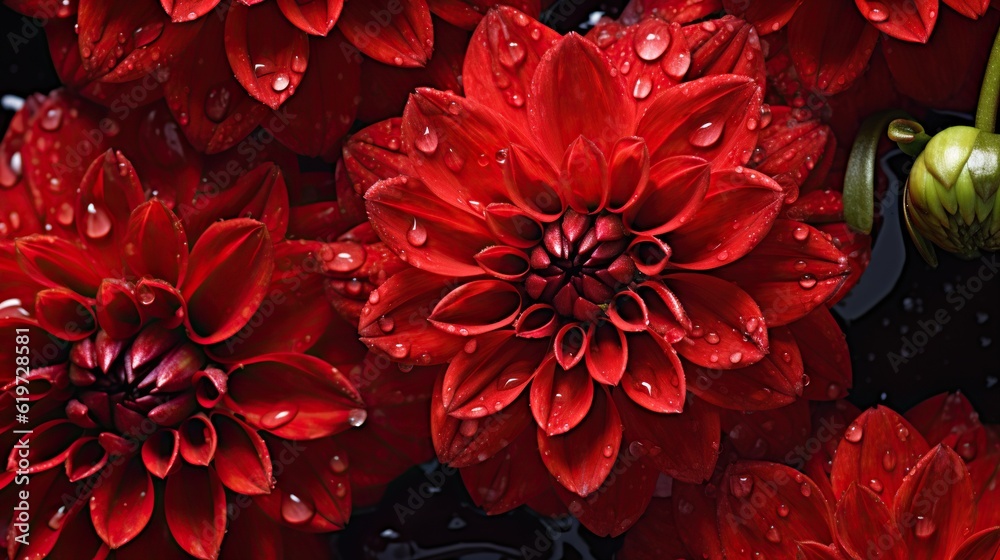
x=591, y=246
x=832, y=41
x=228, y=67
x=183, y=381
x=877, y=486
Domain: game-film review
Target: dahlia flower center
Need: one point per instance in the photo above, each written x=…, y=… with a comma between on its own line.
x=580, y=264
x=159, y=375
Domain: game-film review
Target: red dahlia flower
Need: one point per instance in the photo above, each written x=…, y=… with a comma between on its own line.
x=878, y=486
x=832, y=41
x=600, y=258
x=224, y=66
x=173, y=400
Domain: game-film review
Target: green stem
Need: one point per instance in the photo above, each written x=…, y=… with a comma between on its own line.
x=986, y=112
x=859, y=179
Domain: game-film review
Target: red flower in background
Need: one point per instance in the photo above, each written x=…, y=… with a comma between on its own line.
x=589, y=247
x=225, y=66
x=935, y=51
x=174, y=400
x=876, y=485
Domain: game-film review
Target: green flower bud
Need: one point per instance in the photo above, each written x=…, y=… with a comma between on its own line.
x=950, y=197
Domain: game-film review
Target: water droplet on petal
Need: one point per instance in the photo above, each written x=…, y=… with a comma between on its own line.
x=280, y=82
x=52, y=119
x=217, y=104
x=417, y=234
x=708, y=133
x=98, y=222
x=643, y=86
x=808, y=281
x=338, y=464
x=278, y=418
x=65, y=214
x=773, y=535
x=56, y=521
x=356, y=417
x=924, y=527
x=296, y=510
x=651, y=46
x=877, y=12
x=741, y=486
x=854, y=433
x=145, y=294
x=427, y=142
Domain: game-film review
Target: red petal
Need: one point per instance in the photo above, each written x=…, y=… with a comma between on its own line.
x=766, y=16
x=864, y=524
x=584, y=177
x=685, y=445
x=122, y=504
x=219, y=304
x=943, y=415
x=54, y=262
x=654, y=377
x=927, y=74
x=707, y=117
x=560, y=399
x=694, y=511
x=629, y=169
x=426, y=230
x=656, y=535
x=984, y=545
x=574, y=75
x=503, y=54
x=50, y=445
x=392, y=320
x=53, y=166
x=907, y=20
x=794, y=270
x=774, y=381
x=490, y=374
x=796, y=153
x=582, y=458
x=198, y=440
x=719, y=308
x=735, y=216
x=393, y=32
x=653, y=55
x=122, y=41
x=607, y=353
x=939, y=525
x=267, y=53
x=824, y=354
x=314, y=121
x=311, y=494
x=676, y=190
x=85, y=458
x=213, y=109
x=682, y=11
x=773, y=435
x=242, y=460
x=294, y=396
x=108, y=192
x=160, y=451
x=810, y=550
x=315, y=18
x=195, y=504
x=155, y=245
x=831, y=44
x=620, y=501
x=260, y=193
x=253, y=535
x=118, y=309
x=878, y=450
x=510, y=478
x=65, y=314
x=461, y=443
x=765, y=489
x=454, y=144
x=530, y=183
x=185, y=10
x=726, y=46
x=291, y=322
x=373, y=153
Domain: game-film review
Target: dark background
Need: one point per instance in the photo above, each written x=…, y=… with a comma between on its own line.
x=892, y=363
